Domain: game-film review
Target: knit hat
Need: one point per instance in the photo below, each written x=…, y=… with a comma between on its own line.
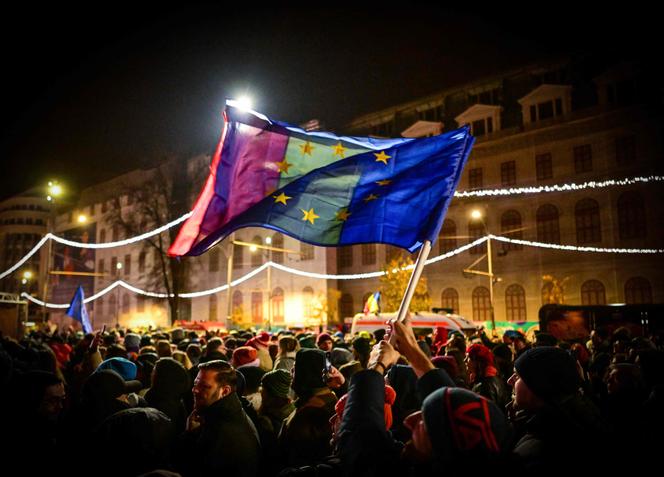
x=132, y=341
x=277, y=382
x=448, y=363
x=545, y=339
x=481, y=353
x=309, y=366
x=252, y=377
x=177, y=335
x=245, y=355
x=122, y=366
x=390, y=396
x=463, y=424
x=323, y=337
x=362, y=345
x=548, y=372
x=108, y=384
x=307, y=341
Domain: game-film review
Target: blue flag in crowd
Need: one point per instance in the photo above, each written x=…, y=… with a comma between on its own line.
x=77, y=310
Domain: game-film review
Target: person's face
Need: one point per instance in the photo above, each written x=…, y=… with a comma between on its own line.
x=419, y=446
x=53, y=402
x=206, y=390
x=612, y=381
x=523, y=396
x=470, y=365
x=325, y=345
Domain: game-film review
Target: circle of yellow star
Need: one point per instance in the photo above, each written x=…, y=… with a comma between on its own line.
x=310, y=215
x=339, y=150
x=306, y=148
x=384, y=182
x=281, y=198
x=283, y=166
x=382, y=157
x=370, y=198
x=343, y=215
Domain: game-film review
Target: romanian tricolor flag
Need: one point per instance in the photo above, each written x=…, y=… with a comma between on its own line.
x=372, y=305
x=324, y=189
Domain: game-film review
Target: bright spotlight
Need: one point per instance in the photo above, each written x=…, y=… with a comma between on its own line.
x=82, y=219
x=268, y=240
x=244, y=102
x=253, y=248
x=476, y=214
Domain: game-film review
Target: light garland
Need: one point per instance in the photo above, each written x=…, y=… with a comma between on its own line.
x=356, y=276
x=25, y=258
x=557, y=188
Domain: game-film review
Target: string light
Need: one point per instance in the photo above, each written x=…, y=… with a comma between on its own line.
x=557, y=188
x=356, y=276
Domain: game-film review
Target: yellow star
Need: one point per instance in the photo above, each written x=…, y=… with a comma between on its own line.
x=382, y=157
x=339, y=150
x=283, y=166
x=343, y=215
x=384, y=182
x=307, y=148
x=370, y=198
x=281, y=198
x=310, y=215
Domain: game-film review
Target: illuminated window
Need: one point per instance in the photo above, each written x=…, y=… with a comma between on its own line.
x=257, y=307
x=638, y=291
x=278, y=242
x=588, y=225
x=631, y=216
x=592, y=293
x=481, y=304
x=447, y=237
x=368, y=254
x=508, y=173
x=548, y=226
x=344, y=257
x=583, y=159
x=450, y=299
x=278, y=305
x=306, y=251
x=515, y=303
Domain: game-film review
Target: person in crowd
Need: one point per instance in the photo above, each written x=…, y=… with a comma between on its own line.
x=220, y=439
x=170, y=381
x=484, y=377
x=194, y=353
x=245, y=355
x=262, y=343
x=288, y=347
x=324, y=342
x=252, y=374
x=182, y=358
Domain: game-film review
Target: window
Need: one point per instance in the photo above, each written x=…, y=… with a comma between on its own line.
x=368, y=254
x=478, y=128
x=115, y=233
x=308, y=302
x=592, y=293
x=508, y=173
x=278, y=242
x=346, y=306
x=278, y=305
x=583, y=159
x=257, y=307
x=475, y=231
x=114, y=266
x=238, y=255
x=637, y=291
x=344, y=257
x=588, y=226
x=510, y=226
x=625, y=150
x=481, y=304
x=212, y=308
x=548, y=226
x=450, y=299
x=447, y=238
x=238, y=302
x=100, y=266
x=213, y=265
x=141, y=262
x=257, y=255
x=475, y=178
x=125, y=302
x=306, y=251
x=631, y=216
x=515, y=303
x=102, y=236
x=544, y=166
x=127, y=265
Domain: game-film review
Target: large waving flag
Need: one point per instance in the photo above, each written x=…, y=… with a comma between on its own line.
x=324, y=189
x=78, y=311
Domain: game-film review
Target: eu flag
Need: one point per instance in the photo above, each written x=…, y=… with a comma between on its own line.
x=78, y=311
x=324, y=189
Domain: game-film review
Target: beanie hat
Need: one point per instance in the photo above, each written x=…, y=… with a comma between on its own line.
x=323, y=337
x=108, y=384
x=132, y=341
x=277, y=382
x=177, y=335
x=362, y=345
x=390, y=397
x=461, y=423
x=481, y=353
x=252, y=377
x=245, y=355
x=307, y=341
x=548, y=372
x=122, y=366
x=545, y=339
x=448, y=363
x=309, y=366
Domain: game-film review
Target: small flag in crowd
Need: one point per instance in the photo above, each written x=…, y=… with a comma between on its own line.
x=324, y=189
x=78, y=311
x=373, y=304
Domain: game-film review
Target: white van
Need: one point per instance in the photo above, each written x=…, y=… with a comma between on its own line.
x=450, y=322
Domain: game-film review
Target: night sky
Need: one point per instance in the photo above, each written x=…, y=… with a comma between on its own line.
x=90, y=95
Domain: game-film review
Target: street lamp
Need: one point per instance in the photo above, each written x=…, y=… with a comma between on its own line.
x=476, y=214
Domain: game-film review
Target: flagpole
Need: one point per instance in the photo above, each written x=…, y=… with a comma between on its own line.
x=414, y=278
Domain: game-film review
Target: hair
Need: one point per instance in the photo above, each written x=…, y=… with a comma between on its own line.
x=214, y=344
x=164, y=349
x=287, y=344
x=182, y=358
x=225, y=373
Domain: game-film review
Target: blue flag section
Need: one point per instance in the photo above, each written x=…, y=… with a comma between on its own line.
x=78, y=311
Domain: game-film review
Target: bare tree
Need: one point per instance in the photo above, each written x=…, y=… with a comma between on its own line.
x=164, y=195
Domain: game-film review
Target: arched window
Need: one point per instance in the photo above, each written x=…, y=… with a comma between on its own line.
x=548, y=226
x=475, y=231
x=638, y=291
x=450, y=299
x=278, y=242
x=510, y=226
x=278, y=305
x=306, y=251
x=588, y=225
x=447, y=237
x=212, y=308
x=631, y=215
x=368, y=254
x=346, y=306
x=515, y=303
x=481, y=304
x=308, y=302
x=257, y=255
x=257, y=307
x=592, y=293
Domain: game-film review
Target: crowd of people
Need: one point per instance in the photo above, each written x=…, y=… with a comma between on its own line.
x=255, y=403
